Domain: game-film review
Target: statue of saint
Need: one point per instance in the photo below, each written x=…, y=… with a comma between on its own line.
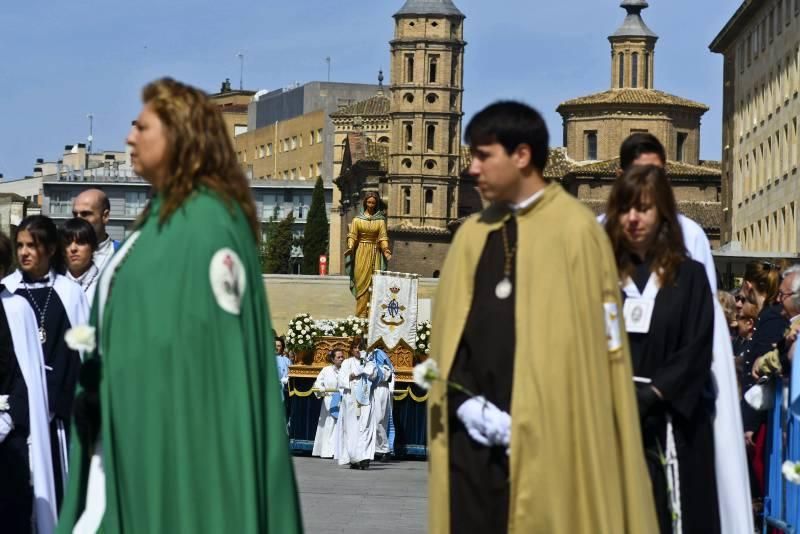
x=367, y=250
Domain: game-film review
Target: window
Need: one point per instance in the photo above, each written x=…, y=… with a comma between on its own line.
x=635, y=70
x=646, y=71
x=406, y=194
x=429, y=202
x=239, y=129
x=771, y=25
x=300, y=141
x=269, y=149
x=454, y=70
x=430, y=136
x=409, y=134
x=319, y=168
x=135, y=202
x=285, y=175
x=61, y=203
x=311, y=171
x=681, y=142
x=292, y=174
x=621, y=61
x=311, y=138
x=261, y=151
x=319, y=136
x=432, y=67
x=409, y=98
x=409, y=68
x=294, y=142
x=591, y=145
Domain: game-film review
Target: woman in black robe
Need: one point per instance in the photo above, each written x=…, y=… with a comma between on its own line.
x=669, y=316
x=40, y=281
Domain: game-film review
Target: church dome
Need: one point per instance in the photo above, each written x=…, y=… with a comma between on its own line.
x=430, y=7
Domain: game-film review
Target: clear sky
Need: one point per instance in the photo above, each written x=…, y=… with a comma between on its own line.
x=63, y=60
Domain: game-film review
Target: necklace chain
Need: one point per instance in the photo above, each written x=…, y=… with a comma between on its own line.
x=42, y=312
x=508, y=254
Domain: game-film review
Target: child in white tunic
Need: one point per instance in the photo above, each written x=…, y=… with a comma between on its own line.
x=327, y=380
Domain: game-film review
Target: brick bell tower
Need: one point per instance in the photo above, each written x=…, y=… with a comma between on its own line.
x=427, y=74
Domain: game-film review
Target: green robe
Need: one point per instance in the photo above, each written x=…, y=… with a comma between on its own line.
x=193, y=426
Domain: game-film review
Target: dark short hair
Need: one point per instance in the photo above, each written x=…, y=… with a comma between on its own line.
x=511, y=124
x=636, y=145
x=44, y=233
x=6, y=254
x=78, y=231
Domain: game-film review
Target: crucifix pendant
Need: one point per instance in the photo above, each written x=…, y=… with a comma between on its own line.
x=42, y=335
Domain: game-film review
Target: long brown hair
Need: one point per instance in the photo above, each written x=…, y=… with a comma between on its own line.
x=668, y=251
x=200, y=150
x=765, y=278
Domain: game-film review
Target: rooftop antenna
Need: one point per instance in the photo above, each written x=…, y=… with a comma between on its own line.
x=328, y=61
x=240, y=55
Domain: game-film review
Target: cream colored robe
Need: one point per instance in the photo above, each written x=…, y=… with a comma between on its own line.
x=577, y=464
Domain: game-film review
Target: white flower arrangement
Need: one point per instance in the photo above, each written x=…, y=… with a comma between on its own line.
x=326, y=327
x=81, y=338
x=352, y=327
x=791, y=471
x=301, y=334
x=423, y=338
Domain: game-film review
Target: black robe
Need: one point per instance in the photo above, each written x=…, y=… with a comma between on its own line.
x=16, y=493
x=484, y=364
x=61, y=365
x=676, y=354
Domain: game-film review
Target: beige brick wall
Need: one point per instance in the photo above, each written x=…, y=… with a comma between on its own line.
x=305, y=158
x=324, y=297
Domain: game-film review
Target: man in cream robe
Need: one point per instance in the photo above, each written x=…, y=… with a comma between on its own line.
x=574, y=462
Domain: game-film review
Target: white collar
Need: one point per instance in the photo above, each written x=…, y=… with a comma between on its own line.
x=87, y=274
x=528, y=202
x=650, y=290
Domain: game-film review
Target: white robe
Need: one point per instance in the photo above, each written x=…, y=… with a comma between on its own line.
x=355, y=434
x=28, y=350
x=324, y=441
x=383, y=411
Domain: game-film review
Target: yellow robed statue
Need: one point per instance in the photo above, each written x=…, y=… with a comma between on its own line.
x=367, y=250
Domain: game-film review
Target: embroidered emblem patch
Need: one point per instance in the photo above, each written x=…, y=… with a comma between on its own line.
x=613, y=335
x=227, y=276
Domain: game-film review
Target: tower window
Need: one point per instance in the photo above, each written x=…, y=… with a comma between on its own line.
x=434, y=62
x=635, y=70
x=430, y=137
x=409, y=134
x=591, y=145
x=621, y=62
x=431, y=98
x=409, y=68
x=646, y=71
x=429, y=202
x=453, y=70
x=430, y=164
x=406, y=200
x=408, y=97
x=680, y=153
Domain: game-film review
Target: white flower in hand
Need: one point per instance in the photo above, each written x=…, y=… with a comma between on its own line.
x=425, y=373
x=81, y=338
x=4, y=407
x=791, y=471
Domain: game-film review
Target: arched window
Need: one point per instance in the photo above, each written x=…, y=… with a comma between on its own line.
x=434, y=62
x=430, y=137
x=409, y=134
x=621, y=64
x=646, y=71
x=409, y=68
x=406, y=201
x=429, y=202
x=635, y=70
x=591, y=145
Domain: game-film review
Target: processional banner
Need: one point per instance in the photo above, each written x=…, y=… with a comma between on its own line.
x=393, y=309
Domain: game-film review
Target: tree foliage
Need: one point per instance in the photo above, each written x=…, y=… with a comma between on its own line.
x=316, y=235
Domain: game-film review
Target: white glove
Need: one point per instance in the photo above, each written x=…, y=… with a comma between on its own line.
x=485, y=422
x=6, y=426
x=284, y=380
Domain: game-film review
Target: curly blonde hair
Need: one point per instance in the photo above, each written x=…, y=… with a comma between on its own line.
x=200, y=150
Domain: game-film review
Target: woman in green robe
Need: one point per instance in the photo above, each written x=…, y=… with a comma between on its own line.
x=191, y=431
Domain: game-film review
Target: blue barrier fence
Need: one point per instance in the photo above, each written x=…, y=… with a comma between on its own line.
x=782, y=498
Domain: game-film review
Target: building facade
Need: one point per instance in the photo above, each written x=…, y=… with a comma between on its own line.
x=760, y=46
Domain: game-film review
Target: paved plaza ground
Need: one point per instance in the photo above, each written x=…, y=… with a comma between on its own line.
x=387, y=498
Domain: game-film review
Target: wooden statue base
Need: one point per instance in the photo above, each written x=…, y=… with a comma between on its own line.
x=311, y=363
